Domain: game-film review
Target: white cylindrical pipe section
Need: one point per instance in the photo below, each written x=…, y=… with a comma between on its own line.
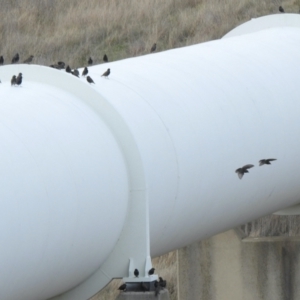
x=191, y=116
x=60, y=166
x=201, y=112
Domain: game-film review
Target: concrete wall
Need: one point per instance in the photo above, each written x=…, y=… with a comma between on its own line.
x=257, y=261
x=224, y=267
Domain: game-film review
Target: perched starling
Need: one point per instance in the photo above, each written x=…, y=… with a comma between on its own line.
x=136, y=273
x=151, y=271
x=1, y=60
x=153, y=48
x=13, y=80
x=106, y=73
x=15, y=59
x=105, y=58
x=85, y=71
x=241, y=171
x=266, y=161
x=68, y=69
x=122, y=287
x=19, y=79
x=28, y=60
x=75, y=72
x=55, y=67
x=281, y=9
x=90, y=80
x=61, y=64
x=90, y=61
x=156, y=288
x=144, y=287
x=162, y=283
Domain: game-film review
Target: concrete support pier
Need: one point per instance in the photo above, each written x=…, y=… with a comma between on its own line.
x=163, y=295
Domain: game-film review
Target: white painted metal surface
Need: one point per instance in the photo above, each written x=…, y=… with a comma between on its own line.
x=266, y=22
x=169, y=128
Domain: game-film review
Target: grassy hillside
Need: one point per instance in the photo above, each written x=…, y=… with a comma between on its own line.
x=71, y=31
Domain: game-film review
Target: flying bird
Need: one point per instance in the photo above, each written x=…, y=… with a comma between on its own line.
x=136, y=273
x=105, y=58
x=151, y=271
x=90, y=61
x=153, y=48
x=28, y=60
x=281, y=9
x=19, y=79
x=106, y=73
x=266, y=161
x=85, y=71
x=68, y=69
x=15, y=59
x=13, y=80
x=122, y=287
x=241, y=171
x=1, y=60
x=90, y=80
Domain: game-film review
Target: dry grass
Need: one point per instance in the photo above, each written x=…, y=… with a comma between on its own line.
x=53, y=30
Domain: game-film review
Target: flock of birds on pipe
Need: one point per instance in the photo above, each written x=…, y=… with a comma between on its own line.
x=158, y=285
x=17, y=80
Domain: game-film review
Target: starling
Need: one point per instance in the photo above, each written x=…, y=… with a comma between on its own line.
x=144, y=287
x=151, y=271
x=162, y=283
x=19, y=79
x=156, y=288
x=153, y=48
x=122, y=287
x=75, y=72
x=106, y=73
x=55, y=67
x=68, y=69
x=15, y=59
x=266, y=161
x=105, y=58
x=90, y=61
x=241, y=171
x=136, y=273
x=281, y=9
x=28, y=60
x=90, y=80
x=13, y=80
x=85, y=71
x=61, y=64
x=1, y=60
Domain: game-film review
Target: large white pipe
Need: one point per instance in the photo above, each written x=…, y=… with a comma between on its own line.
x=175, y=125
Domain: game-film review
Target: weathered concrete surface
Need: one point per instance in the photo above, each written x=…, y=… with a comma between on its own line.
x=258, y=261
x=224, y=267
x=163, y=295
